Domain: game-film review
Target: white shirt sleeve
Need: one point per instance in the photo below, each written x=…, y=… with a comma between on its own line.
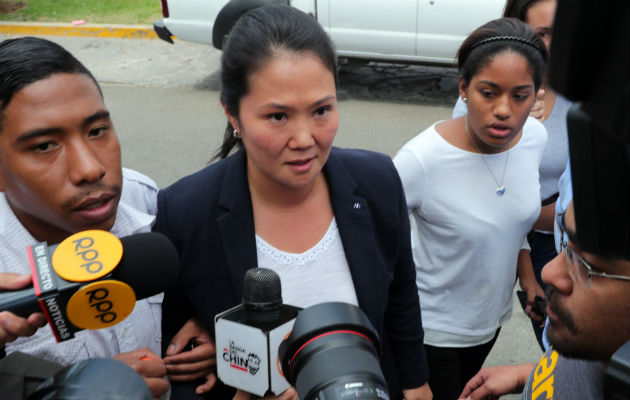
x=411, y=174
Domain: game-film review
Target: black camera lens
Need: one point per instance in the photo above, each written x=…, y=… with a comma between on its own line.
x=333, y=353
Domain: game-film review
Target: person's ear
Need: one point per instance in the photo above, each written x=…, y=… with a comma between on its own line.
x=231, y=118
x=463, y=90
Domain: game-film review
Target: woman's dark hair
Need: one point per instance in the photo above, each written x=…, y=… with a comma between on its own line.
x=498, y=36
x=257, y=36
x=518, y=8
x=27, y=60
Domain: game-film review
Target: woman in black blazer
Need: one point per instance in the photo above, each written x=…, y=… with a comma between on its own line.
x=288, y=192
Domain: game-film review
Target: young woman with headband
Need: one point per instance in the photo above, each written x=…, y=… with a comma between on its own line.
x=551, y=109
x=472, y=189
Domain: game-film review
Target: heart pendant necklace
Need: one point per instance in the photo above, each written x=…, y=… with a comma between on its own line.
x=500, y=188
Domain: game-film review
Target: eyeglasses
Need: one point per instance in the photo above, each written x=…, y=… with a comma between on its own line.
x=580, y=270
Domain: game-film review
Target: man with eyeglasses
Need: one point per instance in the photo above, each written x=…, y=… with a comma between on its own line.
x=588, y=303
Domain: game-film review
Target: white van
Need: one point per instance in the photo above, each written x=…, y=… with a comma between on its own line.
x=409, y=31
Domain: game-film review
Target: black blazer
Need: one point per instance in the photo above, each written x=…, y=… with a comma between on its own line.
x=209, y=218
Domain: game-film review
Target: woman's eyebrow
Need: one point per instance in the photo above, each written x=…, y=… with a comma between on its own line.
x=285, y=107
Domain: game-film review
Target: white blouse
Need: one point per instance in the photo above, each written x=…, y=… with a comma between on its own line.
x=320, y=274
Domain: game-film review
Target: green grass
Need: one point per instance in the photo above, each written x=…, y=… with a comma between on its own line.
x=92, y=11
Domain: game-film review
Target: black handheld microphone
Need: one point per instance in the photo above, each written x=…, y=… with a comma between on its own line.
x=248, y=335
x=92, y=279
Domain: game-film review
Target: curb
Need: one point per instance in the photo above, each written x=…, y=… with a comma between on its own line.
x=86, y=30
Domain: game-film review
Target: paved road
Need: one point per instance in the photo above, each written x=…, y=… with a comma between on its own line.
x=166, y=109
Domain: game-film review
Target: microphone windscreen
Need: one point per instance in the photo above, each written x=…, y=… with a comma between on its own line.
x=149, y=263
x=261, y=290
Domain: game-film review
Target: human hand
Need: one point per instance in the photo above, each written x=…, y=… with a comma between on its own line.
x=529, y=284
x=493, y=382
x=420, y=393
x=12, y=326
x=538, y=110
x=199, y=362
x=150, y=367
x=289, y=394
x=534, y=294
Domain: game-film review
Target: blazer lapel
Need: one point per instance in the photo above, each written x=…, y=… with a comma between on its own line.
x=357, y=236
x=236, y=222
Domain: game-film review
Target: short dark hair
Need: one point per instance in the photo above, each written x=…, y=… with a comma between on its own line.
x=27, y=60
x=497, y=36
x=257, y=36
x=518, y=8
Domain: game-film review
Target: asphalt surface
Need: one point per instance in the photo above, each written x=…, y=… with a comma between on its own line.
x=165, y=104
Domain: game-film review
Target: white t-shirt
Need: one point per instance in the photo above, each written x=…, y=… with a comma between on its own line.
x=466, y=238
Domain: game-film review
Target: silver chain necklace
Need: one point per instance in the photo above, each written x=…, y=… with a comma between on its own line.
x=500, y=187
